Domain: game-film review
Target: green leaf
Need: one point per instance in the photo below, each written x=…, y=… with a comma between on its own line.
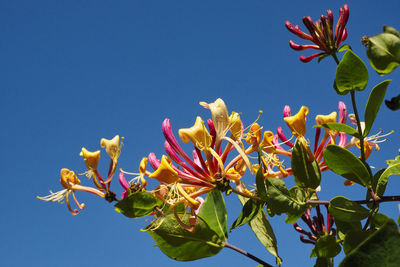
x=213, y=212
x=351, y=73
x=264, y=232
x=346, y=164
x=260, y=184
x=341, y=128
x=326, y=247
x=379, y=219
x=306, y=173
x=279, y=200
x=393, y=169
x=382, y=248
x=182, y=245
x=344, y=48
x=138, y=204
x=345, y=210
x=393, y=103
x=391, y=30
x=344, y=227
x=250, y=210
x=383, y=51
x=373, y=105
x=353, y=239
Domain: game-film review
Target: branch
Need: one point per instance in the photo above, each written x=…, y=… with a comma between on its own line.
x=382, y=199
x=226, y=244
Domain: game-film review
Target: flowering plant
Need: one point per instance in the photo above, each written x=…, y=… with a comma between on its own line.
x=184, y=192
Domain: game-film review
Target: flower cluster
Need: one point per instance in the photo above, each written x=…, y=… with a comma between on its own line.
x=322, y=33
x=71, y=183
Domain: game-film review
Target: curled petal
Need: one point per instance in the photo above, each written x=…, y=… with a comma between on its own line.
x=198, y=134
x=322, y=119
x=298, y=47
x=112, y=147
x=220, y=117
x=91, y=158
x=309, y=58
x=165, y=172
x=297, y=123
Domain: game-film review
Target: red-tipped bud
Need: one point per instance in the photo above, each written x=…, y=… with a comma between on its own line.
x=296, y=30
x=309, y=58
x=307, y=241
x=330, y=17
x=286, y=112
x=298, y=47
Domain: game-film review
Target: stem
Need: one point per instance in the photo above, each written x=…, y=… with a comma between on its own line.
x=335, y=58
x=244, y=194
x=382, y=199
x=241, y=251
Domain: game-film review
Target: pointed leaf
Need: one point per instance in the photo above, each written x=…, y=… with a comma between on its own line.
x=344, y=48
x=351, y=73
x=138, y=204
x=383, y=51
x=260, y=184
x=341, y=128
x=353, y=239
x=250, y=210
x=213, y=212
x=264, y=232
x=393, y=169
x=306, y=174
x=279, y=200
x=346, y=164
x=391, y=30
x=182, y=245
x=381, y=248
x=345, y=210
x=326, y=247
x=374, y=103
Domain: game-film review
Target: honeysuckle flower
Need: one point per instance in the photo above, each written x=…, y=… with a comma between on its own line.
x=198, y=134
x=71, y=183
x=112, y=147
x=220, y=117
x=322, y=33
x=272, y=149
x=297, y=123
x=370, y=142
x=91, y=158
x=187, y=177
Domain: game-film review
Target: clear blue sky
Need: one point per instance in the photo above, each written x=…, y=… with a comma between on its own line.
x=73, y=72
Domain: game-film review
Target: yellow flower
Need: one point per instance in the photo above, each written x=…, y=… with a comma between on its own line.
x=323, y=119
x=254, y=135
x=266, y=143
x=297, y=123
x=71, y=183
x=235, y=125
x=91, y=158
x=220, y=117
x=113, y=147
x=165, y=173
x=198, y=134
